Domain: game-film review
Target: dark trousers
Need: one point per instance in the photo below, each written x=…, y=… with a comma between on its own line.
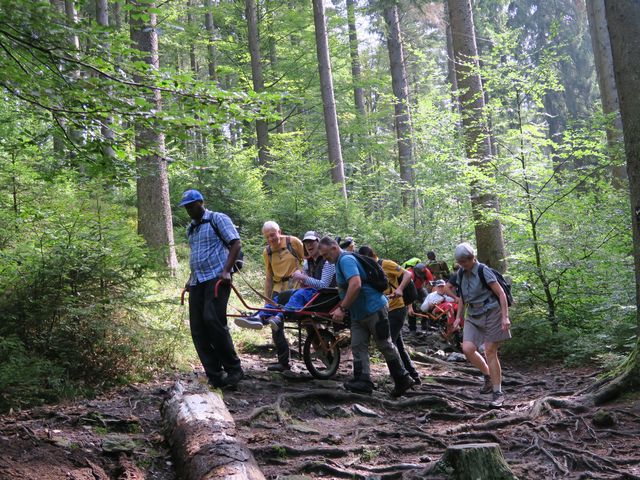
x=396, y=321
x=422, y=294
x=278, y=336
x=209, y=331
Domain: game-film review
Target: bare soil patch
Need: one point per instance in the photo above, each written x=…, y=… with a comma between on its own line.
x=298, y=426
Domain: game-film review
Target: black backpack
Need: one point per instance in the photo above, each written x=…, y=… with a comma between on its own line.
x=501, y=280
x=374, y=273
x=410, y=292
x=239, y=261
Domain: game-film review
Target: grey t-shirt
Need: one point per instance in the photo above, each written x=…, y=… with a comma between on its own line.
x=475, y=293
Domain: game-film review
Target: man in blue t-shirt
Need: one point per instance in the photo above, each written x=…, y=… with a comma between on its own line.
x=369, y=316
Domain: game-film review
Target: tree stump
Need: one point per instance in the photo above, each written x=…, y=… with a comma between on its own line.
x=202, y=436
x=475, y=461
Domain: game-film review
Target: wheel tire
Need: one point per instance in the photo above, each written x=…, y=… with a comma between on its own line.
x=317, y=368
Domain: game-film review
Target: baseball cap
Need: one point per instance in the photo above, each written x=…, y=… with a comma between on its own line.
x=439, y=283
x=346, y=242
x=311, y=235
x=190, y=196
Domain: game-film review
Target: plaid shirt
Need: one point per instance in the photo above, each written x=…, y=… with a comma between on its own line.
x=208, y=253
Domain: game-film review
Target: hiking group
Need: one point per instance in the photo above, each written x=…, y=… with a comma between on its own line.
x=378, y=294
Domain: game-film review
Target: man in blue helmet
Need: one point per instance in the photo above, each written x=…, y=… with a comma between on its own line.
x=215, y=247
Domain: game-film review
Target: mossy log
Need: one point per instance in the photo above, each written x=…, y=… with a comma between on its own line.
x=475, y=461
x=202, y=436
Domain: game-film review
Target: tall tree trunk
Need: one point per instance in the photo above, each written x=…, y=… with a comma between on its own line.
x=356, y=78
x=623, y=19
x=484, y=203
x=59, y=123
x=402, y=116
x=108, y=135
x=116, y=21
x=356, y=71
x=193, y=61
x=328, y=98
x=212, y=58
x=76, y=136
x=154, y=209
x=212, y=50
x=451, y=66
x=273, y=61
x=262, y=128
x=197, y=141
x=606, y=81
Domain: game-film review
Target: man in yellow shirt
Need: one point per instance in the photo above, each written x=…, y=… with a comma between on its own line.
x=283, y=256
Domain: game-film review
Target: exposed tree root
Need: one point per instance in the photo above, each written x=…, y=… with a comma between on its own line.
x=327, y=468
x=621, y=380
x=287, y=451
x=341, y=396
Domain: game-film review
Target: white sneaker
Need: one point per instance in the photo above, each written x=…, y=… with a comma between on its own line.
x=249, y=322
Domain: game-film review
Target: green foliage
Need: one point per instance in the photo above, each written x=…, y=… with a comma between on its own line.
x=73, y=288
x=83, y=302
x=26, y=377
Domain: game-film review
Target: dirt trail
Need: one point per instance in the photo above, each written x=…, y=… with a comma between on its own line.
x=296, y=425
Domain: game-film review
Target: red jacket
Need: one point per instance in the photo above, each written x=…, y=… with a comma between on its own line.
x=420, y=283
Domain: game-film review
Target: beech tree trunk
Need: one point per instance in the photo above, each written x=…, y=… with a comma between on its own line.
x=262, y=128
x=606, y=80
x=154, y=209
x=328, y=99
x=623, y=19
x=484, y=202
x=402, y=116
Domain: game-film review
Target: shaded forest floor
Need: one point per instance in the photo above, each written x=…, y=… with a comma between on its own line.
x=296, y=425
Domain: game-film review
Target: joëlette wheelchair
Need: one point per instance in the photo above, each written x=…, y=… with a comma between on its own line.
x=324, y=336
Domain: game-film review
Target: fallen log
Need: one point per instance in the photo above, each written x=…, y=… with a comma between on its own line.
x=202, y=436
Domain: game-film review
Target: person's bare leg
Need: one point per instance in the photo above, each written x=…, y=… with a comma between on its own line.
x=471, y=352
x=495, y=370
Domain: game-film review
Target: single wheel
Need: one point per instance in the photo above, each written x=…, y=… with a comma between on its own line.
x=322, y=358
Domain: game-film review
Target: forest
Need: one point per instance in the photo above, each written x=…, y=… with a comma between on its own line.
x=410, y=126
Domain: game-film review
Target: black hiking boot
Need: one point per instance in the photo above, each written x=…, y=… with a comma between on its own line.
x=487, y=387
x=363, y=386
x=232, y=380
x=278, y=367
x=402, y=385
x=416, y=378
x=217, y=381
